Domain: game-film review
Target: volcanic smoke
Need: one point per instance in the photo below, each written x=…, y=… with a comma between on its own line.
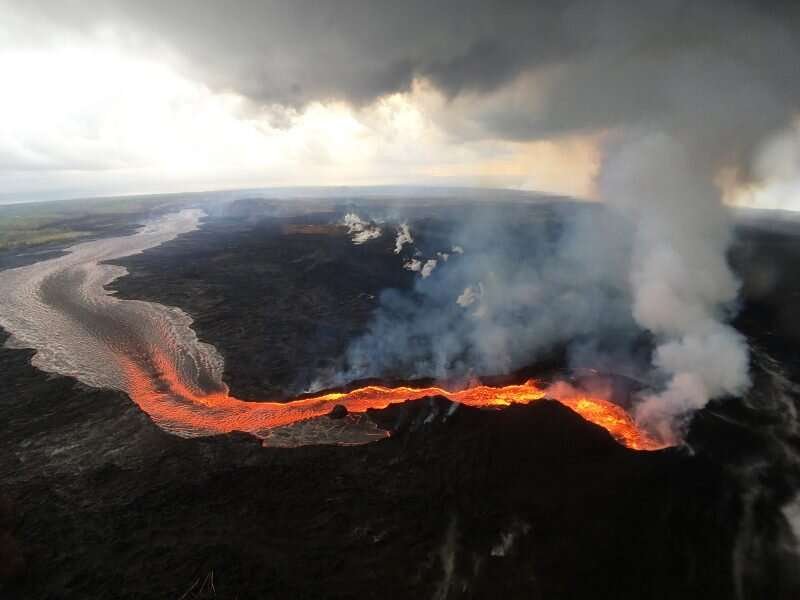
x=61, y=308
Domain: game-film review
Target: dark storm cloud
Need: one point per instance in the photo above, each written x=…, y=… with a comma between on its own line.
x=609, y=62
x=298, y=51
x=683, y=89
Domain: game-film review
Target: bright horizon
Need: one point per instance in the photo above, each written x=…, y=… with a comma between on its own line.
x=127, y=101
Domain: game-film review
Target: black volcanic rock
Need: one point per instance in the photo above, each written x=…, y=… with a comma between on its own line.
x=12, y=560
x=338, y=412
x=530, y=501
x=414, y=415
x=278, y=297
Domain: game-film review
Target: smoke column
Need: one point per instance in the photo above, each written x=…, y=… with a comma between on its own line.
x=684, y=93
x=714, y=103
x=682, y=287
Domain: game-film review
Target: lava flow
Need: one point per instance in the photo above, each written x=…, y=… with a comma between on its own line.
x=61, y=308
x=177, y=407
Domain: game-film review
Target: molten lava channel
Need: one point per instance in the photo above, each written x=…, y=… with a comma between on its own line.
x=179, y=408
x=61, y=308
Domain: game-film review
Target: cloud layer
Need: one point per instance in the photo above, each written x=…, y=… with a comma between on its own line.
x=668, y=96
x=478, y=83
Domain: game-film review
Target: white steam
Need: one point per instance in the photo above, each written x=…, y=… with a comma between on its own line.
x=423, y=268
x=541, y=286
x=403, y=238
x=428, y=268
x=413, y=265
x=682, y=287
x=360, y=231
x=470, y=296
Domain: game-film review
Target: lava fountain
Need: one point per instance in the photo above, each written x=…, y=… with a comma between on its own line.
x=62, y=309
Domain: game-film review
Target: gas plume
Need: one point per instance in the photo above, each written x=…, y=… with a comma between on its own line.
x=360, y=231
x=682, y=286
x=403, y=238
x=683, y=97
x=521, y=282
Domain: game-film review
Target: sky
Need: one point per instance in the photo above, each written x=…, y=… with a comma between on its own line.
x=139, y=96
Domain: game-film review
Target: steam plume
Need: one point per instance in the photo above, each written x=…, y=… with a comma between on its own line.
x=403, y=238
x=360, y=231
x=682, y=287
x=683, y=93
x=515, y=289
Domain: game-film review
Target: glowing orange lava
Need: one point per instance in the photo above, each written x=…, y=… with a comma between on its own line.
x=183, y=410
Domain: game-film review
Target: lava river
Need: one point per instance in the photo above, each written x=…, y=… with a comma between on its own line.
x=61, y=308
x=177, y=407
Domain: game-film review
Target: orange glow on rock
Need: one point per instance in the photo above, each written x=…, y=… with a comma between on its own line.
x=182, y=410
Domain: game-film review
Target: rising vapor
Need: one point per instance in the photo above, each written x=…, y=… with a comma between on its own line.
x=679, y=92
x=403, y=237
x=677, y=115
x=359, y=230
x=682, y=286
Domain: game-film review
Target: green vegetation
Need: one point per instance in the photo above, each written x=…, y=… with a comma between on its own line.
x=31, y=237
x=67, y=220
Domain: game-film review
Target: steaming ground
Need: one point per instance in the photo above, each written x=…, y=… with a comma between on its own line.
x=307, y=261
x=536, y=277
x=680, y=104
x=60, y=308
